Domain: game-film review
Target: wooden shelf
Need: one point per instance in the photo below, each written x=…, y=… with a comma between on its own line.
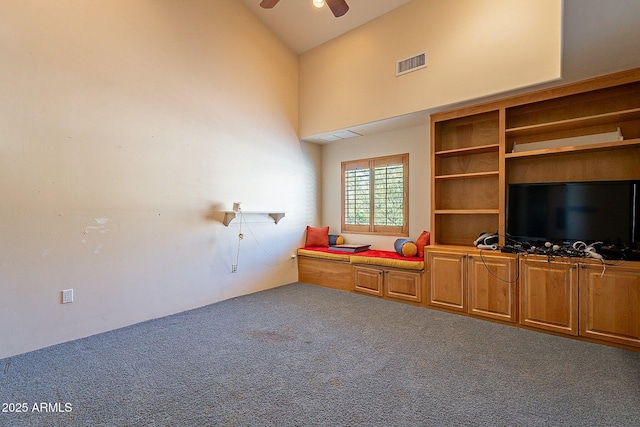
x=467, y=211
x=231, y=215
x=579, y=122
x=577, y=148
x=468, y=175
x=469, y=150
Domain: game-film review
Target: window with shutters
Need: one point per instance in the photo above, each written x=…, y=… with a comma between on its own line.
x=375, y=195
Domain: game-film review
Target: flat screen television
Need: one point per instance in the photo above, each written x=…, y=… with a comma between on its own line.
x=603, y=211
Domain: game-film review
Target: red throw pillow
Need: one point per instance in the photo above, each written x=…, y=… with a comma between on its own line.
x=317, y=236
x=422, y=241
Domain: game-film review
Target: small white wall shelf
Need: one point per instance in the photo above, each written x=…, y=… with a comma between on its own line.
x=230, y=215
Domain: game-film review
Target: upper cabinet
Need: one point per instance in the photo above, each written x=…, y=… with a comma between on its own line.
x=590, y=133
x=584, y=131
x=583, y=121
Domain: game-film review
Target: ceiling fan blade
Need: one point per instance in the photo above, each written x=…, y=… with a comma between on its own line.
x=268, y=4
x=338, y=7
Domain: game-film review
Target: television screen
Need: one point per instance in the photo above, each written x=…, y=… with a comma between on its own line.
x=585, y=211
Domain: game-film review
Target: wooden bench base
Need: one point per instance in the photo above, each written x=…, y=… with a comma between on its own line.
x=328, y=273
x=398, y=284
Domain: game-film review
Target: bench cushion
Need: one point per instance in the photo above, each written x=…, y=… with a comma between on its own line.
x=324, y=253
x=371, y=257
x=387, y=259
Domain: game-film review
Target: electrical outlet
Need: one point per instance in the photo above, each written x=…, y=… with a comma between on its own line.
x=234, y=268
x=67, y=296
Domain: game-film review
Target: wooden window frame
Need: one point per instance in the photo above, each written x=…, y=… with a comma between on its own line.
x=371, y=164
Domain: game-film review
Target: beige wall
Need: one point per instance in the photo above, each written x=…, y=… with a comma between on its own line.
x=475, y=48
x=415, y=141
x=124, y=126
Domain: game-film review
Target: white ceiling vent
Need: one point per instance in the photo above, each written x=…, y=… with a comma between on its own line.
x=414, y=63
x=336, y=136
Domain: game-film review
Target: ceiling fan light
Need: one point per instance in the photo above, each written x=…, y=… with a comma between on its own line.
x=318, y=3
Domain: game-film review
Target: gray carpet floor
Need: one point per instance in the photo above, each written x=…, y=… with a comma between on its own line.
x=302, y=355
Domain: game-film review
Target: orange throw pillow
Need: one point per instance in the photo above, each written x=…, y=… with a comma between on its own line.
x=422, y=241
x=317, y=236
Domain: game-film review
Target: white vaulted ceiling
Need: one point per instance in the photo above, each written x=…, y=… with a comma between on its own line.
x=301, y=26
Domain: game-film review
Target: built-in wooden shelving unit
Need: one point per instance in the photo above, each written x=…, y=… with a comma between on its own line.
x=473, y=158
x=585, y=131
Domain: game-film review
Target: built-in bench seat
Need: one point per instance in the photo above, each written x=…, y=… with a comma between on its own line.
x=371, y=257
x=364, y=272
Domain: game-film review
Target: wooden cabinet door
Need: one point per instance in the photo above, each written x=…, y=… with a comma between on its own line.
x=447, y=281
x=610, y=303
x=404, y=285
x=368, y=280
x=549, y=295
x=492, y=286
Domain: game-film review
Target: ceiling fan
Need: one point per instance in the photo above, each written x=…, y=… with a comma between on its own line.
x=338, y=7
